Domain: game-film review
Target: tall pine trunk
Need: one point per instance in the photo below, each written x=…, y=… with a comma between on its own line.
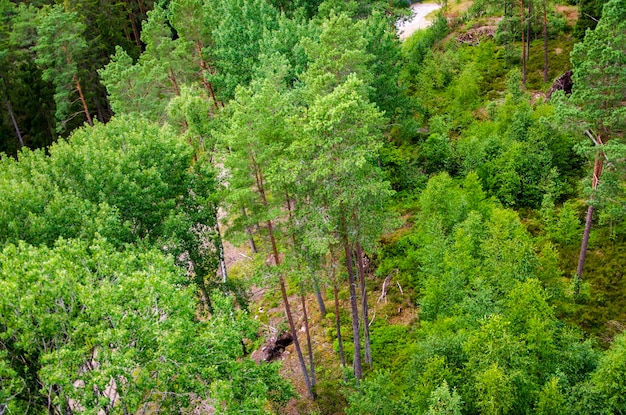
x=204, y=66
x=545, y=41
x=249, y=232
x=364, y=306
x=529, y=29
x=342, y=355
x=318, y=296
x=78, y=88
x=356, y=363
x=14, y=121
x=308, y=339
x=83, y=101
x=283, y=290
x=220, y=250
x=597, y=172
x=522, y=17
x=7, y=102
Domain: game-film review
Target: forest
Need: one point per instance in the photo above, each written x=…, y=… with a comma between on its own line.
x=279, y=206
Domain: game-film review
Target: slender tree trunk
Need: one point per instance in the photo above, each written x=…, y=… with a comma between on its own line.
x=364, y=306
x=15, y=126
x=142, y=7
x=358, y=371
x=318, y=296
x=597, y=172
x=205, y=69
x=342, y=355
x=174, y=82
x=135, y=31
x=529, y=29
x=281, y=280
x=522, y=12
x=308, y=339
x=292, y=326
x=7, y=102
x=545, y=41
x=249, y=232
x=82, y=100
x=78, y=88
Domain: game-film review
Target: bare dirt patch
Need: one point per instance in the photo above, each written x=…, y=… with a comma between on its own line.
x=569, y=12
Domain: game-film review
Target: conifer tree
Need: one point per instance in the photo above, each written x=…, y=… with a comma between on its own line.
x=596, y=104
x=60, y=47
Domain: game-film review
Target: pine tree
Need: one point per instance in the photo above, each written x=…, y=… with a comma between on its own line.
x=60, y=47
x=596, y=104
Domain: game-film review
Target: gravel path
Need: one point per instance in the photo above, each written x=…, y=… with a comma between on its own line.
x=418, y=20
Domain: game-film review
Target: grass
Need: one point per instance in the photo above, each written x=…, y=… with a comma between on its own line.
x=558, y=61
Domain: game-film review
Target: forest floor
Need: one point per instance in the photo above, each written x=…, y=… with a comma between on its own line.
x=266, y=307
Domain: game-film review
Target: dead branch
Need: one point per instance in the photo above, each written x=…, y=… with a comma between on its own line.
x=383, y=294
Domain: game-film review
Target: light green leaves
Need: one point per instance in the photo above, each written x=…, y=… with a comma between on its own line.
x=81, y=320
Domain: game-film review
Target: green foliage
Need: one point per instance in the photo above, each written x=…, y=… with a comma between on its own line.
x=487, y=328
x=368, y=400
x=599, y=61
x=60, y=47
x=551, y=399
x=386, y=342
x=237, y=37
x=608, y=380
x=495, y=392
x=417, y=47
x=442, y=402
x=105, y=328
x=129, y=181
x=339, y=53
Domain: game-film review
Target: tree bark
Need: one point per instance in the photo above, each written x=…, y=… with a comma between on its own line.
x=597, y=172
x=249, y=232
x=15, y=126
x=545, y=41
x=172, y=78
x=308, y=340
x=7, y=102
x=342, y=355
x=135, y=31
x=82, y=100
x=528, y=29
x=522, y=10
x=78, y=87
x=318, y=296
x=205, y=69
x=294, y=333
x=261, y=189
x=364, y=306
x=356, y=363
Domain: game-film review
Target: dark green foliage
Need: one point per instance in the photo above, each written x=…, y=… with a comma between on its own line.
x=590, y=12
x=237, y=36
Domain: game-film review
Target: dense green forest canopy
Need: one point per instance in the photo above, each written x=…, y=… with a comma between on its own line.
x=435, y=226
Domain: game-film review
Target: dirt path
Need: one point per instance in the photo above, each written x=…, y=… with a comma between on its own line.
x=418, y=20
